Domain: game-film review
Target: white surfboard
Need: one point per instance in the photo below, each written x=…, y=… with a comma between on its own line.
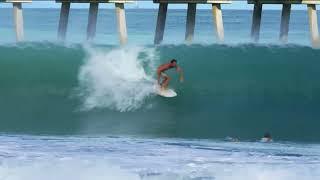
x=166, y=92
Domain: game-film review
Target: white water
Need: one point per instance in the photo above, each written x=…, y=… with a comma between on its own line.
x=116, y=78
x=99, y=158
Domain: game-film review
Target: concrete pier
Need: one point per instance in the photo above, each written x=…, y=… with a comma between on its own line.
x=191, y=17
x=161, y=22
x=63, y=22
x=313, y=24
x=285, y=18
x=92, y=21
x=17, y=17
x=191, y=20
x=121, y=22
x=256, y=22
x=284, y=26
x=162, y=14
x=92, y=17
x=217, y=16
x=18, y=20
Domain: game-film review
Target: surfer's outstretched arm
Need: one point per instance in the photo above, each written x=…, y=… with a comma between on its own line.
x=180, y=71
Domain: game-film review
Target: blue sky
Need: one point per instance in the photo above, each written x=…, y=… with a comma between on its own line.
x=147, y=4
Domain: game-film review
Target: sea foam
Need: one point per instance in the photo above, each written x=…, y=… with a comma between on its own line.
x=116, y=79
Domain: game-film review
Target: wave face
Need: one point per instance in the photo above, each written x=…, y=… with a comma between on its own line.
x=240, y=91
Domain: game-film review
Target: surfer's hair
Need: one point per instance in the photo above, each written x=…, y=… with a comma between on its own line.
x=173, y=60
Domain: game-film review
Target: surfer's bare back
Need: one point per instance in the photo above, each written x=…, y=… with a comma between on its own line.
x=163, y=78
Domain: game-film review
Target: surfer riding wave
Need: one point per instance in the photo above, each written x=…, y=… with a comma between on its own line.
x=163, y=78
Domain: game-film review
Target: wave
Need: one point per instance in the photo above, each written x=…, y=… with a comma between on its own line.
x=240, y=91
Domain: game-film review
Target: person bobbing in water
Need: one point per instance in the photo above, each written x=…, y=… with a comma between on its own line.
x=163, y=78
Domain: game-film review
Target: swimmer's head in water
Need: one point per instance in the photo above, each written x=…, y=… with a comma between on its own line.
x=267, y=135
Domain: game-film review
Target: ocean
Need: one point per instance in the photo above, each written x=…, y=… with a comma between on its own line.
x=79, y=110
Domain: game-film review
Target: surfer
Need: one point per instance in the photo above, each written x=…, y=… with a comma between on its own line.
x=163, y=78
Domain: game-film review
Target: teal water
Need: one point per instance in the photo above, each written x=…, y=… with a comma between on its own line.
x=241, y=91
x=80, y=111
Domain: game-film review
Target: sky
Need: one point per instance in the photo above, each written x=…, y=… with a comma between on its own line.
x=149, y=5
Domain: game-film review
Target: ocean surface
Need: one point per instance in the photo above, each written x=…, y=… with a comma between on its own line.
x=79, y=110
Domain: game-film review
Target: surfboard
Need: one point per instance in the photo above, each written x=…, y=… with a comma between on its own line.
x=165, y=93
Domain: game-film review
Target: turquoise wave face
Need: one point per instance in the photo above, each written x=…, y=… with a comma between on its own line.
x=241, y=91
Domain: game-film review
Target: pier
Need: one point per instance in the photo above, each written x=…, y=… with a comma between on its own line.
x=191, y=17
x=162, y=14
x=285, y=18
x=17, y=17
x=92, y=18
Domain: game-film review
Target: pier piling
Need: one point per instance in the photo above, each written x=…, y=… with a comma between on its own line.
x=92, y=18
x=256, y=22
x=161, y=22
x=18, y=20
x=217, y=16
x=285, y=18
x=284, y=27
x=63, y=22
x=162, y=14
x=191, y=19
x=92, y=21
x=313, y=24
x=121, y=22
